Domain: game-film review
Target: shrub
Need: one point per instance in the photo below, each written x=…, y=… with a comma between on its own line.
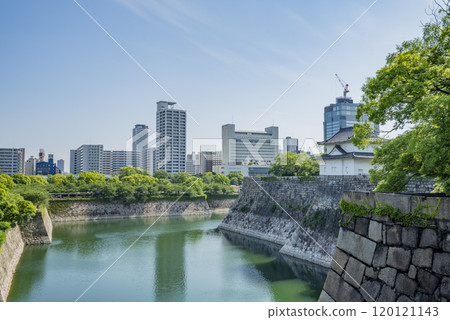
x=269, y=178
x=273, y=208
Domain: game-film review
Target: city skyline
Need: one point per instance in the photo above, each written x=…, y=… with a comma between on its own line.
x=69, y=84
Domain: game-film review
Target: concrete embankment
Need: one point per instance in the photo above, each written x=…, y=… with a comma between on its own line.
x=379, y=260
x=307, y=225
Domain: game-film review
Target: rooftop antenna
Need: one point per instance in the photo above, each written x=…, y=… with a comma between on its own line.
x=344, y=85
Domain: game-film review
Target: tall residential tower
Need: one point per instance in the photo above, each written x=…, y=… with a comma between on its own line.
x=170, y=153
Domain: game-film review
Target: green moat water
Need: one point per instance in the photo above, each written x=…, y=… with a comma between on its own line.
x=178, y=259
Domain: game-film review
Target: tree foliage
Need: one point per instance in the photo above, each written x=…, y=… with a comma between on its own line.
x=412, y=91
x=291, y=164
x=14, y=210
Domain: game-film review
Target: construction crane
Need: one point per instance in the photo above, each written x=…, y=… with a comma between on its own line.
x=344, y=85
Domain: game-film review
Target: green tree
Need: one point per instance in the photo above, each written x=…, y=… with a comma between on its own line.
x=195, y=186
x=129, y=170
x=160, y=174
x=291, y=164
x=38, y=180
x=20, y=178
x=34, y=193
x=7, y=181
x=305, y=166
x=234, y=181
x=208, y=177
x=56, y=178
x=412, y=90
x=181, y=177
x=237, y=175
x=90, y=177
x=221, y=179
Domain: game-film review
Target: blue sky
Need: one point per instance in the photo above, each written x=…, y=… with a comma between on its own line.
x=64, y=82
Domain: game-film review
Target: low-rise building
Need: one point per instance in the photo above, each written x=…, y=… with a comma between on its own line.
x=30, y=166
x=343, y=157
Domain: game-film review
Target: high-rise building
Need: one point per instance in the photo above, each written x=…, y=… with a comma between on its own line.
x=290, y=145
x=140, y=144
x=122, y=158
x=209, y=160
x=30, y=166
x=87, y=158
x=107, y=162
x=60, y=165
x=170, y=153
x=140, y=137
x=148, y=160
x=242, y=147
x=12, y=160
x=340, y=115
x=193, y=163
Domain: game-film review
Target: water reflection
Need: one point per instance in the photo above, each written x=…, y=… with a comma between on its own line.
x=170, y=282
x=178, y=259
x=34, y=273
x=301, y=278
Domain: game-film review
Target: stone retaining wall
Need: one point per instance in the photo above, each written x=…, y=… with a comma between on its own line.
x=377, y=260
x=38, y=230
x=12, y=249
x=308, y=224
x=91, y=210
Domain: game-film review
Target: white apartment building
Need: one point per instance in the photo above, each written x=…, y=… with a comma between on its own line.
x=170, y=153
x=12, y=160
x=87, y=157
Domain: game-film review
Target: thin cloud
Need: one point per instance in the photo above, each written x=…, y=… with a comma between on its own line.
x=173, y=12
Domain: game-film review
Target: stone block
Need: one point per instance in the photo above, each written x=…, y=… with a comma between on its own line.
x=356, y=245
x=339, y=261
x=398, y=258
x=443, y=225
x=445, y=287
x=394, y=235
x=422, y=297
x=422, y=257
x=362, y=226
x=410, y=236
x=441, y=263
x=387, y=294
x=428, y=282
x=405, y=285
x=404, y=298
x=325, y=297
x=388, y=275
x=412, y=272
x=396, y=201
x=339, y=290
x=446, y=243
x=371, y=273
x=379, y=257
x=380, y=218
x=429, y=238
x=375, y=231
x=354, y=272
x=370, y=290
